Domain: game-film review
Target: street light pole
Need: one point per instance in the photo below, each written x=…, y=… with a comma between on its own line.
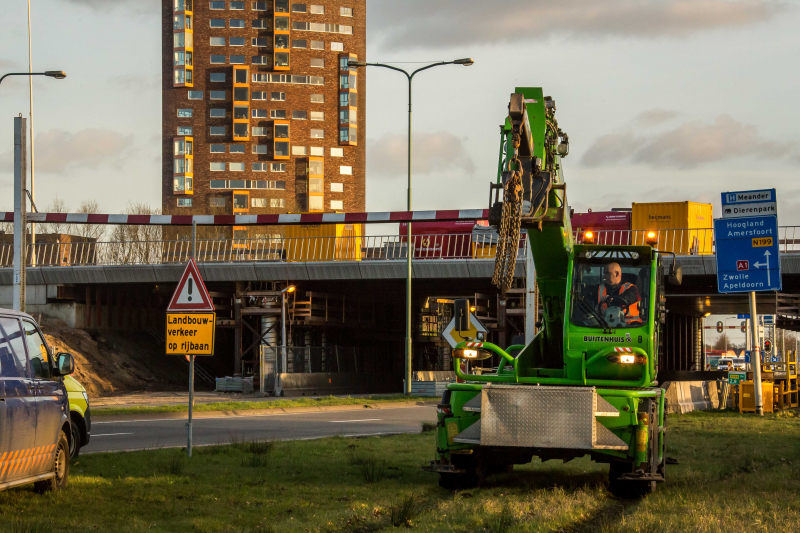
x=409, y=245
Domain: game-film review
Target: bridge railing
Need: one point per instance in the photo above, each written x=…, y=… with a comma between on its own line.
x=346, y=248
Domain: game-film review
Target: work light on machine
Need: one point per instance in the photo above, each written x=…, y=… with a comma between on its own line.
x=588, y=237
x=628, y=359
x=471, y=354
x=651, y=238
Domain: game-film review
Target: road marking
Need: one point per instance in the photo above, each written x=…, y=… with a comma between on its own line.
x=359, y=420
x=111, y=434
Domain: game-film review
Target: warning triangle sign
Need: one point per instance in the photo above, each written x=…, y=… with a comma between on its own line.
x=191, y=293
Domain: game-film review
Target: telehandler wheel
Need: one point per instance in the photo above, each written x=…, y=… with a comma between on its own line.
x=458, y=481
x=627, y=489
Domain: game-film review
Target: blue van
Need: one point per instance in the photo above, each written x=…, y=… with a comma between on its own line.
x=34, y=407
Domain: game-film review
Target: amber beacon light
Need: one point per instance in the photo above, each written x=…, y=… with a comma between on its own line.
x=651, y=238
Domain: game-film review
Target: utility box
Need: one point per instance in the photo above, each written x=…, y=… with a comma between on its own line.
x=747, y=397
x=323, y=242
x=684, y=228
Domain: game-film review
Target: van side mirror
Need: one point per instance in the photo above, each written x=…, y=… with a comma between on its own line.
x=462, y=315
x=65, y=364
x=675, y=275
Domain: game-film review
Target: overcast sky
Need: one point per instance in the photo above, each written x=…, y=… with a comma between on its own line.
x=663, y=100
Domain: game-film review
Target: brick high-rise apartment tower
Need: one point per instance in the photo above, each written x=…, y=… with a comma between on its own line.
x=261, y=113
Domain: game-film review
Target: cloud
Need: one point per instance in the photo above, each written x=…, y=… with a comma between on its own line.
x=58, y=151
x=141, y=6
x=431, y=152
x=426, y=24
x=654, y=117
x=688, y=145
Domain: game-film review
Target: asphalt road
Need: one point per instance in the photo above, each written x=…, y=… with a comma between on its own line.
x=147, y=433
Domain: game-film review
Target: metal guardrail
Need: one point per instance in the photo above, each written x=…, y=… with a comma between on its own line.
x=349, y=248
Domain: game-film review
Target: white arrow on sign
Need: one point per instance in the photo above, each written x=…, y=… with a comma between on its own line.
x=765, y=264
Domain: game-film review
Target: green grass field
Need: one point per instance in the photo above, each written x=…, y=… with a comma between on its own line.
x=307, y=401
x=736, y=473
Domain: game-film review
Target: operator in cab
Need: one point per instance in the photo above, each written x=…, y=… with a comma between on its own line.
x=613, y=292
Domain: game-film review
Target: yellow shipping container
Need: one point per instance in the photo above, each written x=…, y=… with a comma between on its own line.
x=323, y=242
x=685, y=228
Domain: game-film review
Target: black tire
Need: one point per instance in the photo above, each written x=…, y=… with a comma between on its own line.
x=458, y=481
x=60, y=467
x=630, y=490
x=75, y=442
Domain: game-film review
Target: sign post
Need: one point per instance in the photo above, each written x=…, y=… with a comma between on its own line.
x=191, y=327
x=748, y=257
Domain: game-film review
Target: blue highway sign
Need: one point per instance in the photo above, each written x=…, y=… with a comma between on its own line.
x=747, y=254
x=749, y=203
x=742, y=316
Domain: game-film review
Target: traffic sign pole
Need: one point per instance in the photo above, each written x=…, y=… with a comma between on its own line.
x=191, y=363
x=755, y=360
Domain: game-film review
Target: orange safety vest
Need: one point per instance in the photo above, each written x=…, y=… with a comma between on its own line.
x=633, y=309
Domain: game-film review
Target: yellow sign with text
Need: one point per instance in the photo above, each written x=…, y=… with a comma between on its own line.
x=762, y=241
x=190, y=333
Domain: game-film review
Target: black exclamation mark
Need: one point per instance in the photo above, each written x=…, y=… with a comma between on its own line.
x=190, y=289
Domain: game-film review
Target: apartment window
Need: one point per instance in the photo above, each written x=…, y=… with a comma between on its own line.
x=277, y=167
x=237, y=148
x=302, y=26
x=317, y=151
x=237, y=6
x=318, y=45
x=317, y=10
x=259, y=149
x=185, y=130
x=217, y=167
x=217, y=113
x=260, y=131
x=318, y=63
x=337, y=152
x=195, y=95
x=346, y=170
x=258, y=202
x=260, y=6
x=259, y=113
x=277, y=202
x=240, y=129
x=217, y=23
x=260, y=78
x=316, y=168
x=217, y=41
x=346, y=11
x=236, y=41
x=337, y=187
x=337, y=204
x=299, y=150
x=260, y=60
x=278, y=97
x=217, y=130
x=217, y=148
x=216, y=202
x=347, y=135
x=237, y=60
x=259, y=167
x=337, y=47
x=184, y=202
x=216, y=95
x=299, y=115
x=348, y=99
x=216, y=60
x=184, y=113
x=261, y=24
x=281, y=6
x=237, y=23
x=315, y=203
x=317, y=115
x=282, y=42
x=236, y=167
x=260, y=41
x=299, y=43
x=277, y=113
x=241, y=94
x=282, y=23
x=217, y=5
x=217, y=76
x=259, y=95
x=299, y=8
x=317, y=134
x=317, y=98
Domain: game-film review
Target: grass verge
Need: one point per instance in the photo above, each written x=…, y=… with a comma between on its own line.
x=264, y=404
x=736, y=473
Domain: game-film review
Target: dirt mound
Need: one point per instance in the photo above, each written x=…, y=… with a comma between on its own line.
x=110, y=363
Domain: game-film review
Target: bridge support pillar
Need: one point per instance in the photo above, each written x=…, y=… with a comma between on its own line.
x=237, y=335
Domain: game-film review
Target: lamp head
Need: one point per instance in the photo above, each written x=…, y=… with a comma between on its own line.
x=290, y=288
x=467, y=61
x=353, y=64
x=57, y=74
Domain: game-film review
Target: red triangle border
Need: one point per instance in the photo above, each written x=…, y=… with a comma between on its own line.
x=205, y=305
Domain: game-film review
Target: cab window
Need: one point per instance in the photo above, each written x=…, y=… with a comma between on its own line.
x=609, y=293
x=37, y=351
x=13, y=363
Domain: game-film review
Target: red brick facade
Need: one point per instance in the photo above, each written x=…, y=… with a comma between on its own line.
x=297, y=99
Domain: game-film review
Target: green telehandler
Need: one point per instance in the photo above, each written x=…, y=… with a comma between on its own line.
x=586, y=383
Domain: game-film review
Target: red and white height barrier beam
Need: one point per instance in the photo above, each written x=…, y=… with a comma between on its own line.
x=258, y=220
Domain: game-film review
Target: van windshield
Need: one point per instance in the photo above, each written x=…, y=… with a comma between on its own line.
x=609, y=292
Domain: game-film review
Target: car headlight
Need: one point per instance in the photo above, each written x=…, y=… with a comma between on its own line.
x=85, y=397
